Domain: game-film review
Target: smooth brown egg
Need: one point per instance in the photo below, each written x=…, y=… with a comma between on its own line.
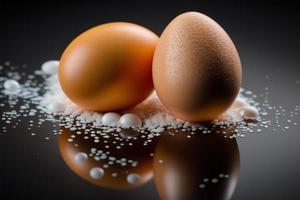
x=123, y=168
x=196, y=68
x=108, y=67
x=205, y=166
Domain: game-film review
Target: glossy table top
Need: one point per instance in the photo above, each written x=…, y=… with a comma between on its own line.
x=267, y=38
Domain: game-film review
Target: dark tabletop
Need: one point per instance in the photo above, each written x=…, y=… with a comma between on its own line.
x=266, y=36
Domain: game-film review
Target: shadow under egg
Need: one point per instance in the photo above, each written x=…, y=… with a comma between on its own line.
x=200, y=166
x=103, y=163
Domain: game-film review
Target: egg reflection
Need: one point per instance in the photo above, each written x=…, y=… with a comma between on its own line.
x=203, y=166
x=104, y=164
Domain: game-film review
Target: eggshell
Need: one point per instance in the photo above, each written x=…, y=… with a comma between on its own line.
x=196, y=68
x=108, y=67
x=205, y=166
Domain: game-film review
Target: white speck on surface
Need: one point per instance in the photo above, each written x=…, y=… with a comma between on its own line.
x=249, y=113
x=56, y=107
x=50, y=67
x=239, y=103
x=202, y=186
x=96, y=173
x=11, y=86
x=110, y=119
x=81, y=157
x=133, y=179
x=214, y=180
x=130, y=120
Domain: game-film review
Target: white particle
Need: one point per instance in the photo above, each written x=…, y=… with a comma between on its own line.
x=134, y=164
x=205, y=180
x=50, y=67
x=11, y=86
x=112, y=158
x=130, y=120
x=81, y=157
x=110, y=119
x=133, y=179
x=248, y=92
x=239, y=103
x=96, y=173
x=56, y=107
x=202, y=186
x=214, y=180
x=249, y=113
x=105, y=166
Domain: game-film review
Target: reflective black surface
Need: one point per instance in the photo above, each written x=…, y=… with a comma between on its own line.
x=202, y=166
x=267, y=38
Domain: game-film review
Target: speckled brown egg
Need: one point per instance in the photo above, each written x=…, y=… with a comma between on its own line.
x=196, y=68
x=108, y=67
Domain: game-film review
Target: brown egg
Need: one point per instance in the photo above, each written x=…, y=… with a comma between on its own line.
x=108, y=67
x=196, y=68
x=205, y=166
x=128, y=167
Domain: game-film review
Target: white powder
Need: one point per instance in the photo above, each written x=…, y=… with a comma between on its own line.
x=40, y=95
x=151, y=113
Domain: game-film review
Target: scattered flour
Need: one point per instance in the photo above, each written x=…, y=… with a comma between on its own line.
x=41, y=95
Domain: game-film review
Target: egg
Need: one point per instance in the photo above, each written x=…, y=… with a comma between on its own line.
x=205, y=166
x=196, y=68
x=108, y=67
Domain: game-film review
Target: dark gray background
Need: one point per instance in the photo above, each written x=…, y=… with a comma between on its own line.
x=266, y=35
